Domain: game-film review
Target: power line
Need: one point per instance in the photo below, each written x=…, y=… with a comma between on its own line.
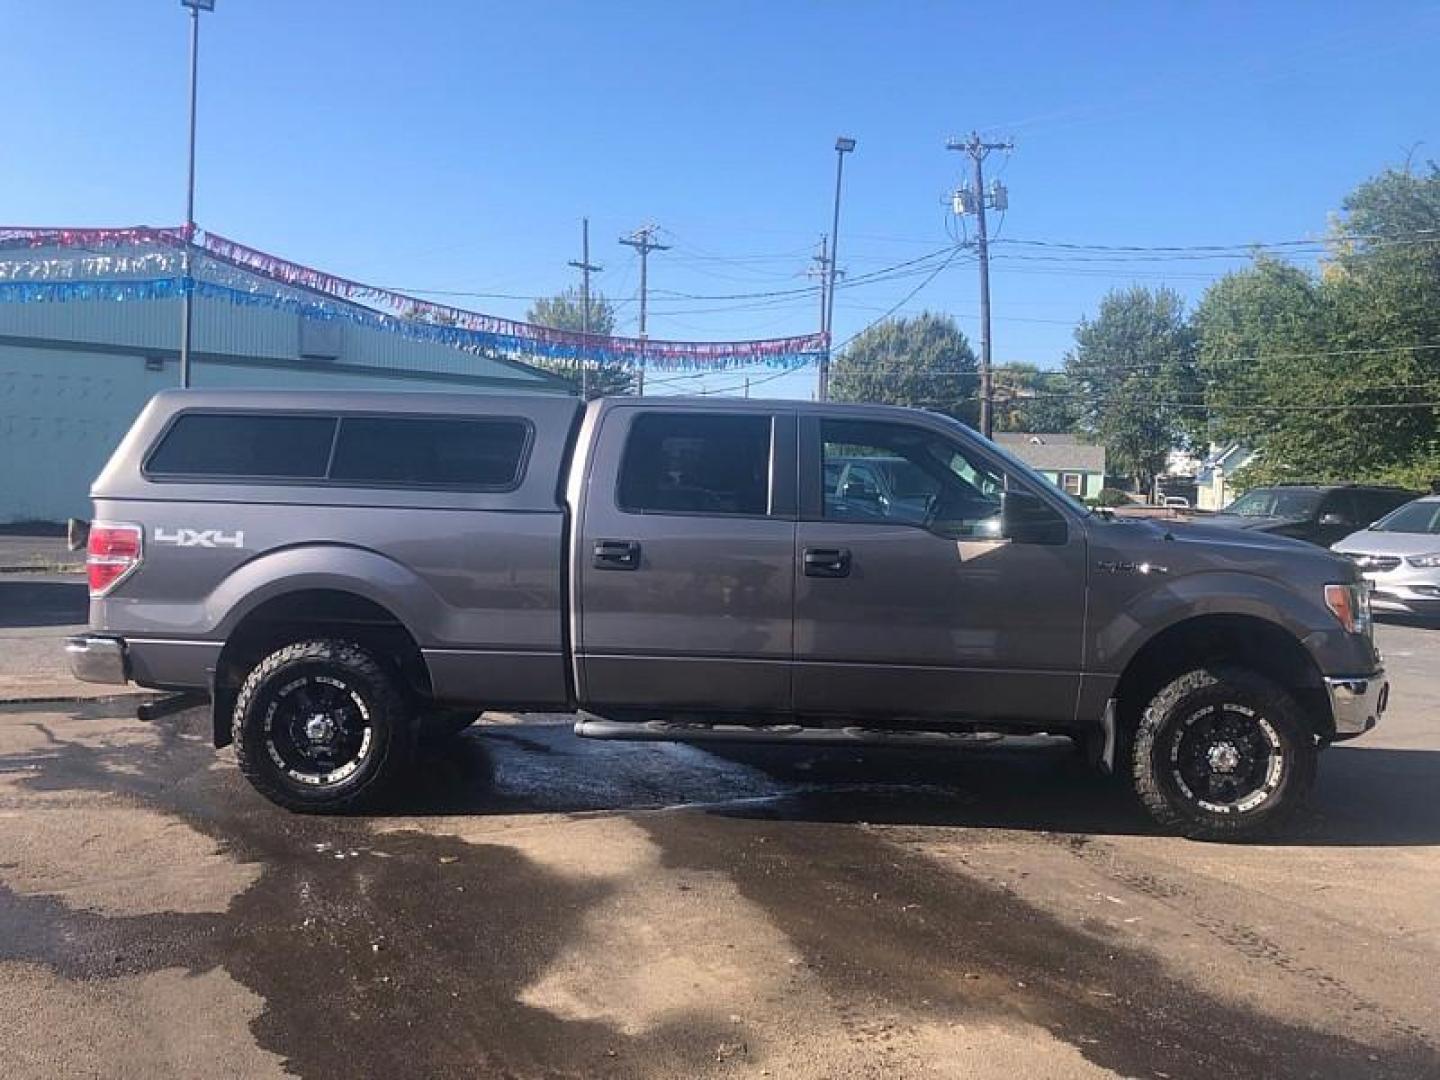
x=1418, y=236
x=586, y=268
x=907, y=298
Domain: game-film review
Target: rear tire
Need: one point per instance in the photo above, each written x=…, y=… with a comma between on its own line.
x=321, y=726
x=1223, y=753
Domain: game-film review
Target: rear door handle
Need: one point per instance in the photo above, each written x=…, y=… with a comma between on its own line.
x=827, y=562
x=617, y=554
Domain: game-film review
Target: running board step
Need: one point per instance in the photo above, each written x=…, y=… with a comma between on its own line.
x=700, y=732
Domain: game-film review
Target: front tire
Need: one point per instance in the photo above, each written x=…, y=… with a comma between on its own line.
x=1223, y=753
x=321, y=726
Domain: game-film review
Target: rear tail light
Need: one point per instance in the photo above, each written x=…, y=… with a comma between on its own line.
x=112, y=554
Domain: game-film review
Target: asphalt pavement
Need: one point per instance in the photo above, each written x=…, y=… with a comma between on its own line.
x=538, y=905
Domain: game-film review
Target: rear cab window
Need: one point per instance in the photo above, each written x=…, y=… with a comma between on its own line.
x=454, y=452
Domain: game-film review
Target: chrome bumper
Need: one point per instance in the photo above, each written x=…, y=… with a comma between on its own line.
x=97, y=659
x=1357, y=703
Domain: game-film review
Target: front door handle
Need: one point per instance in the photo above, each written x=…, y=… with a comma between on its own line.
x=827, y=562
x=617, y=554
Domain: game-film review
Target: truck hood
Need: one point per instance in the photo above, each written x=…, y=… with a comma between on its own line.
x=1251, y=521
x=1188, y=547
x=1252, y=534
x=1371, y=542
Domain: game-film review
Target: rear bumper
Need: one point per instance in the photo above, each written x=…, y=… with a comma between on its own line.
x=97, y=659
x=1357, y=703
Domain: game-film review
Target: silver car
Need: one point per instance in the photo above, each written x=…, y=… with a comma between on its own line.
x=1400, y=557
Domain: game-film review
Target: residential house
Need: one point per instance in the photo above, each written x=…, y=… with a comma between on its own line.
x=1215, y=481
x=1067, y=461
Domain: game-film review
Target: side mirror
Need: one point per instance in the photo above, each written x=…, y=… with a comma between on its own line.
x=1333, y=518
x=1025, y=518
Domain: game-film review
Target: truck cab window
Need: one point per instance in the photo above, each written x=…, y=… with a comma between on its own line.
x=697, y=463
x=891, y=473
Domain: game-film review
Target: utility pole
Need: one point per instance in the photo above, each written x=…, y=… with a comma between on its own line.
x=187, y=272
x=973, y=201
x=586, y=269
x=643, y=241
x=820, y=268
x=843, y=145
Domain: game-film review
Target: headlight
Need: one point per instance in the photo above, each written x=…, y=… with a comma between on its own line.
x=1425, y=562
x=1350, y=604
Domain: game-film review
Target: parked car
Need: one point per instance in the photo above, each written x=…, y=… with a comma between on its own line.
x=334, y=568
x=1318, y=513
x=1400, y=556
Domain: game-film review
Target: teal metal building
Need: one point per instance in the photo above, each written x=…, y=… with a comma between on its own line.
x=75, y=371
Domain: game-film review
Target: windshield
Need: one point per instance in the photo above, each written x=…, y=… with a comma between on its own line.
x=1276, y=502
x=1422, y=516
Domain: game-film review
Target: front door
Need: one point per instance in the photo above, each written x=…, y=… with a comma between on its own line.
x=909, y=600
x=685, y=566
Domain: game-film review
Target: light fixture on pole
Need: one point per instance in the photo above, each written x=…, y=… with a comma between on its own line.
x=187, y=283
x=843, y=146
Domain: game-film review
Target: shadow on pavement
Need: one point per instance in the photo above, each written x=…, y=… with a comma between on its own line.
x=42, y=603
x=1364, y=797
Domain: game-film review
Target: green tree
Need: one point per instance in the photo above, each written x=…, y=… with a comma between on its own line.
x=1133, y=375
x=1316, y=372
x=1258, y=331
x=566, y=311
x=1384, y=287
x=1029, y=399
x=924, y=362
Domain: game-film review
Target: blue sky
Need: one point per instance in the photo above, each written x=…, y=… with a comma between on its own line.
x=455, y=145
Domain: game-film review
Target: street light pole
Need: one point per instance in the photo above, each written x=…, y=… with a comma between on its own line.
x=187, y=279
x=843, y=146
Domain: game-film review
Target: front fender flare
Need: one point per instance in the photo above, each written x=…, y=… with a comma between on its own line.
x=1169, y=602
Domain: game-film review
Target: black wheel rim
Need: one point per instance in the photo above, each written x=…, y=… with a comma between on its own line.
x=317, y=730
x=1227, y=759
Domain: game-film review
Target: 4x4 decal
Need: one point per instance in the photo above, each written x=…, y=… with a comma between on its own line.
x=207, y=538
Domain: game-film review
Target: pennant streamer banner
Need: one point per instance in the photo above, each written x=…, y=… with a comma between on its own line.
x=92, y=264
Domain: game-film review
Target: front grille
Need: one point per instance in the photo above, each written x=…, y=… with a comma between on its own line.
x=1375, y=564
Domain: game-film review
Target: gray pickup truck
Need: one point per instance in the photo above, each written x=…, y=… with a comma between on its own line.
x=338, y=572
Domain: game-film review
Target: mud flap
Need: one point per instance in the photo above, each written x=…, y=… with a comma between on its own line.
x=222, y=712
x=1100, y=742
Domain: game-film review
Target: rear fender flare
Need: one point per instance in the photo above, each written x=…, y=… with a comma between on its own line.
x=336, y=567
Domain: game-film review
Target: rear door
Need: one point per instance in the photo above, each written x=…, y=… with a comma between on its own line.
x=917, y=605
x=685, y=564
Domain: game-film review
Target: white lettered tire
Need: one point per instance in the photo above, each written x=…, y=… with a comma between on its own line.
x=1223, y=753
x=321, y=726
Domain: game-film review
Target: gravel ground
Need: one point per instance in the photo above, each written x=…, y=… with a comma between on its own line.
x=536, y=905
